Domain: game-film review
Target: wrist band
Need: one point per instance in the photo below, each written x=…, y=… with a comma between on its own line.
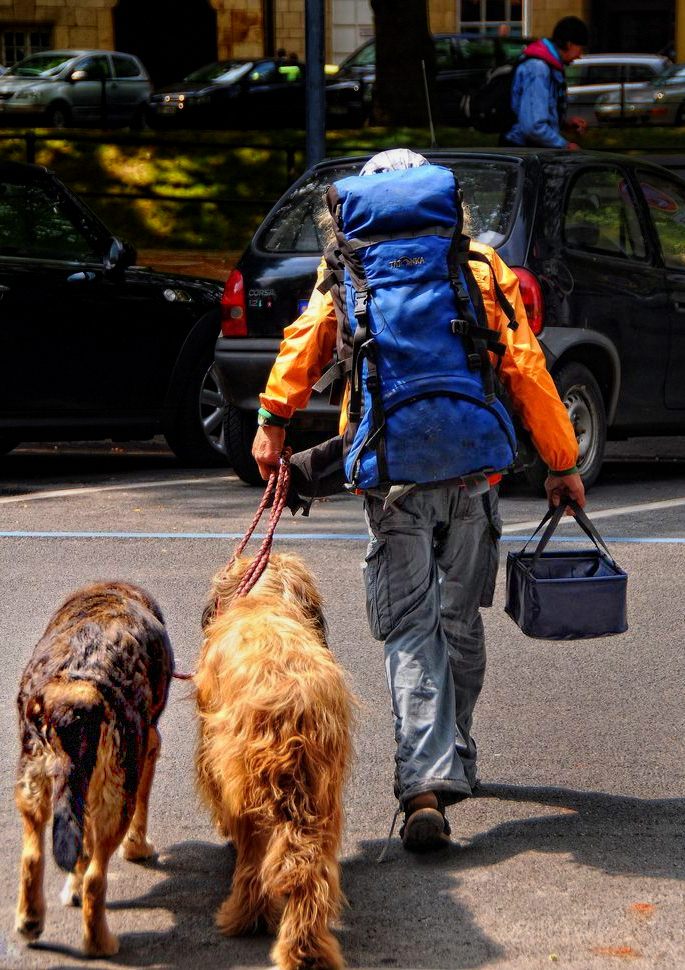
x=268, y=418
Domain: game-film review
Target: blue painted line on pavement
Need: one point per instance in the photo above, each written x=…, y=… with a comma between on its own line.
x=313, y=536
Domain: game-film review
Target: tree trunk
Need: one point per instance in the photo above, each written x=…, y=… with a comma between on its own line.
x=403, y=41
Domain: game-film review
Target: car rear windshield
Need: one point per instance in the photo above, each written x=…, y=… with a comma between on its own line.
x=490, y=189
x=224, y=71
x=40, y=65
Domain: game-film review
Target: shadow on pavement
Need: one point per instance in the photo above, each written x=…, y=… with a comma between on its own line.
x=406, y=912
x=615, y=834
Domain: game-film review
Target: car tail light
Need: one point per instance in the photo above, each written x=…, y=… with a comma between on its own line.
x=233, y=315
x=658, y=112
x=531, y=294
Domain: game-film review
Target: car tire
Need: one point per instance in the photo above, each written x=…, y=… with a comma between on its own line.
x=583, y=400
x=58, y=115
x=239, y=431
x=196, y=430
x=8, y=444
x=140, y=120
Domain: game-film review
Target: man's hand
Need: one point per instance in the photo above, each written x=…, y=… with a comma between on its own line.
x=576, y=124
x=267, y=448
x=559, y=487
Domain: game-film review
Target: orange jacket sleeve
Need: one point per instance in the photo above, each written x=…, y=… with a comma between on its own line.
x=524, y=374
x=307, y=347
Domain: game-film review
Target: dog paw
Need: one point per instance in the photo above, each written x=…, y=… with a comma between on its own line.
x=234, y=921
x=71, y=893
x=29, y=927
x=105, y=945
x=136, y=850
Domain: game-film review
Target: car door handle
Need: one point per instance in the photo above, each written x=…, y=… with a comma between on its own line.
x=81, y=277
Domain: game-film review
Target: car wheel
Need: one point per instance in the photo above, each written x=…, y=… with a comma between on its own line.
x=583, y=400
x=196, y=435
x=140, y=120
x=240, y=427
x=8, y=444
x=58, y=116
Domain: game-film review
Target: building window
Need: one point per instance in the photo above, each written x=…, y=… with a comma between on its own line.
x=503, y=17
x=18, y=42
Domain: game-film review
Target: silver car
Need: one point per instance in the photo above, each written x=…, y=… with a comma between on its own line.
x=61, y=88
x=597, y=75
x=662, y=102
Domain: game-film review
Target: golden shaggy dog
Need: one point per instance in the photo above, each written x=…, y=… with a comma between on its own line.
x=274, y=751
x=89, y=701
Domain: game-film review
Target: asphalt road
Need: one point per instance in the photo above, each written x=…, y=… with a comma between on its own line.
x=573, y=854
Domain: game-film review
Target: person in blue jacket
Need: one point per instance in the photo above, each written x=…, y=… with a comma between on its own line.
x=538, y=95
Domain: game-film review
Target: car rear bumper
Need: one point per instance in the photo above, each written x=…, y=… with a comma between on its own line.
x=244, y=364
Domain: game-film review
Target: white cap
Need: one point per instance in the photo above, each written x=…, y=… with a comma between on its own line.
x=394, y=160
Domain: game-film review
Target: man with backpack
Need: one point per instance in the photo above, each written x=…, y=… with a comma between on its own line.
x=416, y=318
x=538, y=89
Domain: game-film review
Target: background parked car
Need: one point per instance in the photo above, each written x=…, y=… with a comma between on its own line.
x=659, y=102
x=462, y=64
x=598, y=244
x=595, y=75
x=91, y=345
x=61, y=88
x=264, y=93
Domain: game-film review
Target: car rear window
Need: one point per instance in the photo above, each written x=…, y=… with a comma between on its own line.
x=490, y=188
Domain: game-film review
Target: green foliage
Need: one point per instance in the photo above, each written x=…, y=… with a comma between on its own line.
x=210, y=190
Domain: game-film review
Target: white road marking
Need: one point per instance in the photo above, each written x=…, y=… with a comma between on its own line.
x=94, y=489
x=603, y=513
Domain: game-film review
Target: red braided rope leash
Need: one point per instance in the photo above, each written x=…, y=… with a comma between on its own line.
x=278, y=483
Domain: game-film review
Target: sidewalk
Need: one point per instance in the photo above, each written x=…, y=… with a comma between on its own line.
x=193, y=262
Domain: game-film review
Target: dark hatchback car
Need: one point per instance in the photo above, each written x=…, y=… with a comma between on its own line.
x=264, y=93
x=598, y=244
x=462, y=63
x=91, y=345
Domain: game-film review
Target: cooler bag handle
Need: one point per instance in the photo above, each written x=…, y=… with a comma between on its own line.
x=553, y=518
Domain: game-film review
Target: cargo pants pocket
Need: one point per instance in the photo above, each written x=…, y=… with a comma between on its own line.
x=491, y=544
x=375, y=581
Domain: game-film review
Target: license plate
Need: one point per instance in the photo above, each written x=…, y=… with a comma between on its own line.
x=167, y=109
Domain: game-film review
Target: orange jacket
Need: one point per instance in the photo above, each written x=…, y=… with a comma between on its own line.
x=308, y=344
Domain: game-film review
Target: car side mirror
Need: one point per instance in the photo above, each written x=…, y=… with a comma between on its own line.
x=79, y=75
x=119, y=257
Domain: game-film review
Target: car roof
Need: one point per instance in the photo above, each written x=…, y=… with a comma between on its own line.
x=545, y=155
x=81, y=52
x=23, y=170
x=620, y=58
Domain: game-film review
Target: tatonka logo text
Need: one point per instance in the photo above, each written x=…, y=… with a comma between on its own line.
x=404, y=262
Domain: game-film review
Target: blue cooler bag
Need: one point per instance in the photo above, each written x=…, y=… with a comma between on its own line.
x=564, y=595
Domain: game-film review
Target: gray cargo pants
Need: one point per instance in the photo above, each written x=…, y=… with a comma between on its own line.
x=431, y=564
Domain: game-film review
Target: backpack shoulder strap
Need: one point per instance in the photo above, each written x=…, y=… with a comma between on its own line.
x=510, y=313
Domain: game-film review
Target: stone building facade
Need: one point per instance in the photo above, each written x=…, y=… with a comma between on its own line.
x=173, y=36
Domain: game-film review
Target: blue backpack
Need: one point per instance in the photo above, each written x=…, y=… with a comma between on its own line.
x=413, y=337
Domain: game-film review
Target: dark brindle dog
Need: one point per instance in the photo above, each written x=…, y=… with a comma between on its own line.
x=89, y=703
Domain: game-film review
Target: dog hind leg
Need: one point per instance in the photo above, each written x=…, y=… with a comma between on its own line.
x=72, y=891
x=240, y=912
x=299, y=868
x=97, y=938
x=33, y=796
x=136, y=844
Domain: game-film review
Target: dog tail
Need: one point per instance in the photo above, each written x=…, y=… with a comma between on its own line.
x=76, y=715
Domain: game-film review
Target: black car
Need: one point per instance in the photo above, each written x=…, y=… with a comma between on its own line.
x=263, y=93
x=462, y=63
x=91, y=345
x=597, y=242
